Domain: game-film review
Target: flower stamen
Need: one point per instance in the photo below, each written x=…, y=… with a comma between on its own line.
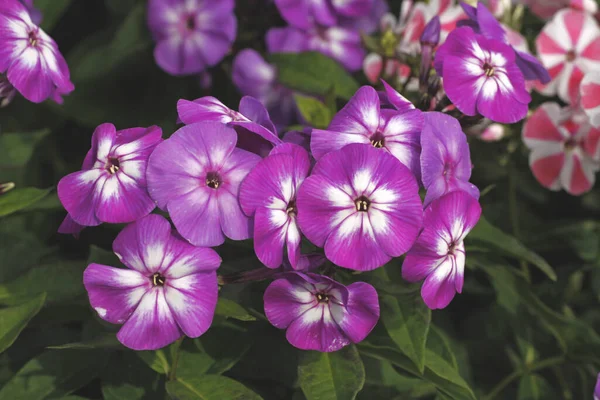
x=157, y=279
x=489, y=70
x=362, y=204
x=213, y=180
x=291, y=209
x=113, y=165
x=322, y=297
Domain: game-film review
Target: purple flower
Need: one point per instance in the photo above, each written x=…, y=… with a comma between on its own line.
x=191, y=35
x=362, y=205
x=195, y=175
x=29, y=57
x=254, y=77
x=363, y=121
x=482, y=21
x=70, y=227
x=7, y=91
x=597, y=389
x=342, y=44
x=256, y=132
x=445, y=157
x=269, y=194
x=169, y=289
x=34, y=13
x=111, y=187
x=320, y=313
x=438, y=256
x=481, y=76
x=304, y=14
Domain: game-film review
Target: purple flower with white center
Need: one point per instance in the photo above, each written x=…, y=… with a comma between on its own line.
x=29, y=57
x=169, y=289
x=445, y=157
x=254, y=77
x=342, y=44
x=111, y=187
x=269, y=194
x=363, y=121
x=7, y=91
x=195, y=175
x=191, y=35
x=320, y=313
x=482, y=21
x=304, y=14
x=438, y=256
x=256, y=132
x=362, y=205
x=481, y=76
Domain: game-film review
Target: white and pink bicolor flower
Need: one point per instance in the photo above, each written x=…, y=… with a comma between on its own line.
x=590, y=97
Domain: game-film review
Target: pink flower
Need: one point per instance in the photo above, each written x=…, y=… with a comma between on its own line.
x=590, y=97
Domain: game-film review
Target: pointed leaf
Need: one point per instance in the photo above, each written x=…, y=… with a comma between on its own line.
x=20, y=198
x=13, y=320
x=209, y=387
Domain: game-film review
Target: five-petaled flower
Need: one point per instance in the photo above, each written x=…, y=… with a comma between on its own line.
x=195, y=175
x=320, y=313
x=438, y=256
x=362, y=205
x=169, y=289
x=111, y=186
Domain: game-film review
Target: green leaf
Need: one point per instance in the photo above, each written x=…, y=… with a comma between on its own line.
x=225, y=345
x=157, y=360
x=534, y=387
x=126, y=378
x=439, y=343
x=339, y=375
x=53, y=375
x=51, y=11
x=59, y=281
x=100, y=256
x=13, y=320
x=105, y=341
x=407, y=320
x=313, y=111
x=509, y=245
x=230, y=309
x=16, y=148
x=20, y=198
x=209, y=387
x=313, y=73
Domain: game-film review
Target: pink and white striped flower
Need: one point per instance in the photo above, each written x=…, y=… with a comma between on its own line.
x=547, y=8
x=565, y=149
x=590, y=97
x=569, y=47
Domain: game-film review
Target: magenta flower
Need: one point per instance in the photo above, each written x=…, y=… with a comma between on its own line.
x=70, y=227
x=590, y=97
x=438, y=256
x=481, y=76
x=111, y=186
x=445, y=157
x=569, y=46
x=565, y=149
x=34, y=13
x=342, y=44
x=256, y=132
x=29, y=57
x=483, y=21
x=362, y=205
x=191, y=35
x=363, y=121
x=304, y=14
x=269, y=194
x=254, y=77
x=169, y=289
x=320, y=313
x=195, y=175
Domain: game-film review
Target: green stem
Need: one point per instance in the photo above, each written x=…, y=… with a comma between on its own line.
x=549, y=362
x=176, y=350
x=514, y=214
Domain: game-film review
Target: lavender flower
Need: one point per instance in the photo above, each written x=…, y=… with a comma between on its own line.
x=481, y=76
x=254, y=77
x=438, y=256
x=320, y=313
x=111, y=187
x=269, y=194
x=256, y=132
x=195, y=175
x=445, y=157
x=304, y=14
x=363, y=121
x=483, y=21
x=429, y=40
x=29, y=57
x=191, y=35
x=362, y=205
x=169, y=289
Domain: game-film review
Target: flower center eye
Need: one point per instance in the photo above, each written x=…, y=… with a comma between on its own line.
x=571, y=56
x=213, y=180
x=291, y=208
x=33, y=38
x=489, y=70
x=322, y=297
x=378, y=140
x=362, y=204
x=571, y=144
x=157, y=279
x=190, y=23
x=113, y=165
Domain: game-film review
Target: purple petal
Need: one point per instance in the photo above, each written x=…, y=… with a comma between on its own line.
x=103, y=139
x=69, y=226
x=131, y=142
x=79, y=192
x=234, y=223
x=255, y=111
x=439, y=287
x=489, y=25
x=317, y=330
x=152, y=325
x=252, y=75
x=122, y=200
x=182, y=259
x=301, y=13
x=457, y=210
x=192, y=300
x=399, y=102
x=362, y=311
x=286, y=40
x=531, y=67
x=402, y=133
x=179, y=56
x=196, y=217
x=29, y=76
x=203, y=109
x=114, y=293
x=270, y=231
x=285, y=300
